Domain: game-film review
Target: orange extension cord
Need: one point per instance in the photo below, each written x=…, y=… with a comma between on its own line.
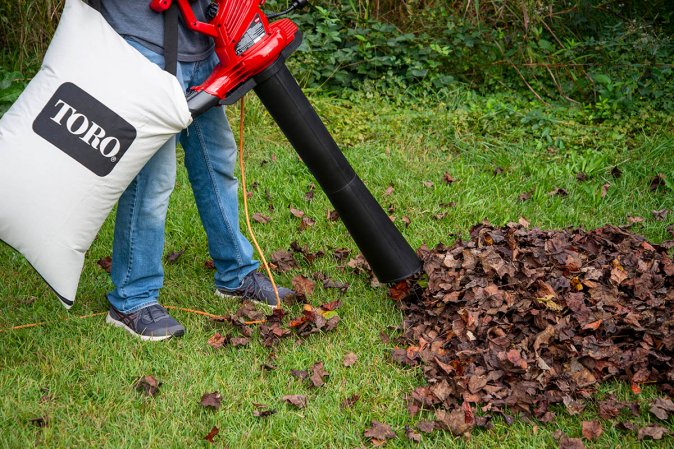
x=250, y=231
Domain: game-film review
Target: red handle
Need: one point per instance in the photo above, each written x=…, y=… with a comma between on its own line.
x=160, y=5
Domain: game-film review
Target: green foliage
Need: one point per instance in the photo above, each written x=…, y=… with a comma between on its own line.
x=609, y=55
x=11, y=86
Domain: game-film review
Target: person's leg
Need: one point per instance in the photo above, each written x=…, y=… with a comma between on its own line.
x=210, y=158
x=137, y=272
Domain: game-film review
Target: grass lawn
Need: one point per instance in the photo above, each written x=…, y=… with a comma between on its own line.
x=495, y=148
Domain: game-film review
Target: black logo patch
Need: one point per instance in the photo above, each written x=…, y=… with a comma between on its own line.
x=85, y=129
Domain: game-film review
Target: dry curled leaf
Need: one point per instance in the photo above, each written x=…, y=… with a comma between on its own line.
x=349, y=359
x=592, y=430
x=318, y=374
x=105, y=263
x=652, y=432
x=298, y=400
x=211, y=400
x=214, y=431
x=379, y=431
x=147, y=385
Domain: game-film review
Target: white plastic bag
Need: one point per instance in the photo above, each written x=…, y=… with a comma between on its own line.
x=77, y=136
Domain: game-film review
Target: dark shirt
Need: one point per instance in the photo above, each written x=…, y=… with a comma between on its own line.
x=135, y=19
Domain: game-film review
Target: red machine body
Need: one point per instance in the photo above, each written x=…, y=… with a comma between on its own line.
x=245, y=42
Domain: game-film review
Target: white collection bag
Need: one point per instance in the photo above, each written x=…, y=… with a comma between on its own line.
x=74, y=140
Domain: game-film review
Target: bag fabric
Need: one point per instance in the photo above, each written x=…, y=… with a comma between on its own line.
x=86, y=124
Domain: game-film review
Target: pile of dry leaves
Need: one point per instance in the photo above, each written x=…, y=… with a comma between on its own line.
x=518, y=319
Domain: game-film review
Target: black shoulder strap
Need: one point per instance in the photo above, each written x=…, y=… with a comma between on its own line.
x=170, y=39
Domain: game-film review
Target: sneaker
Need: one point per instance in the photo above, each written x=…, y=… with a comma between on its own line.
x=152, y=323
x=256, y=287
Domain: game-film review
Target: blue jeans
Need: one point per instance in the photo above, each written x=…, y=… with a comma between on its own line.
x=210, y=159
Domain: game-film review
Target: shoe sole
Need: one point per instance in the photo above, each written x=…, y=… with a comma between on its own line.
x=226, y=296
x=110, y=320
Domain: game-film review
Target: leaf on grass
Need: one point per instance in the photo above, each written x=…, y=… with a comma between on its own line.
x=662, y=407
x=653, y=432
x=660, y=215
x=454, y=421
x=570, y=443
x=40, y=421
x=412, y=435
x=296, y=212
x=105, y=263
x=318, y=374
x=303, y=285
x=211, y=400
x=447, y=178
x=240, y=341
x=174, y=256
x=379, y=431
x=214, y=431
x=604, y=189
x=526, y=196
x=298, y=400
x=426, y=426
x=657, y=182
x=209, y=264
x=592, y=430
x=389, y=190
x=558, y=191
x=301, y=374
x=147, y=385
x=307, y=222
x=350, y=401
x=263, y=219
x=332, y=215
x=349, y=359
x=428, y=184
x=262, y=410
x=283, y=260
x=218, y=340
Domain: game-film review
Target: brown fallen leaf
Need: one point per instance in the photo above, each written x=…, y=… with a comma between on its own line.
x=389, y=190
x=174, y=256
x=318, y=374
x=300, y=374
x=263, y=219
x=303, y=285
x=653, y=432
x=525, y=196
x=426, y=426
x=412, y=435
x=448, y=179
x=660, y=215
x=214, y=431
x=558, y=191
x=570, y=443
x=209, y=264
x=147, y=385
x=454, y=421
x=379, y=431
x=657, y=182
x=428, y=184
x=332, y=215
x=604, y=189
x=296, y=212
x=105, y=263
x=306, y=222
x=218, y=340
x=349, y=359
x=662, y=407
x=211, y=400
x=350, y=401
x=40, y=421
x=298, y=400
x=240, y=341
x=592, y=430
